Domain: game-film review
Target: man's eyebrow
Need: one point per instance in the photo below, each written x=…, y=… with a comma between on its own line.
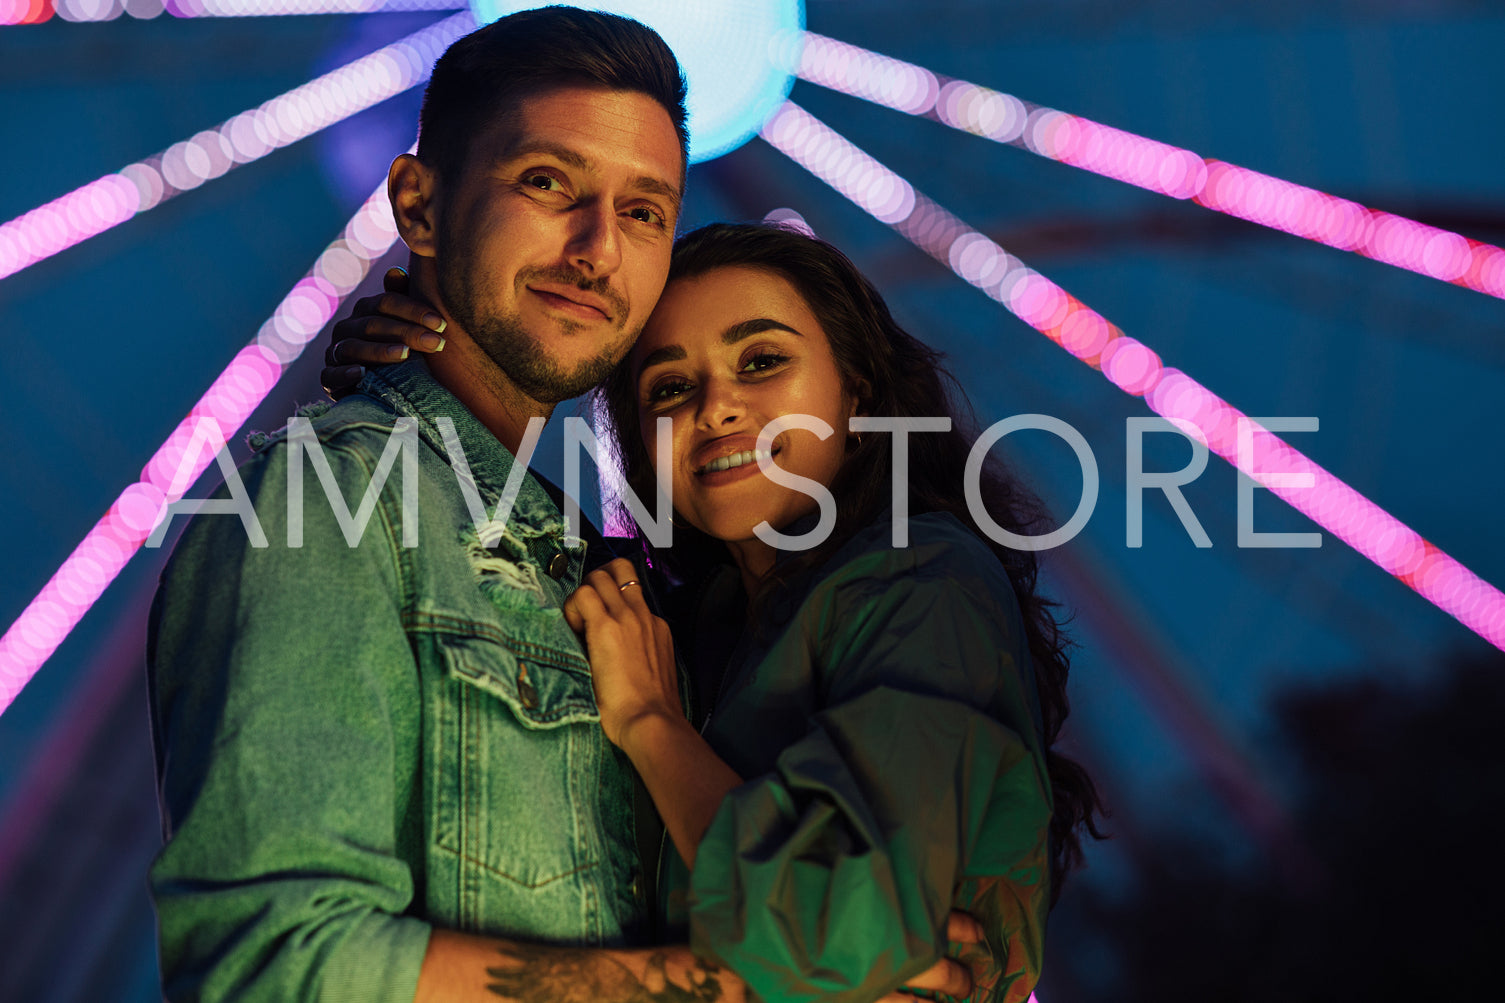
x=661, y=188
x=526, y=147
x=737, y=332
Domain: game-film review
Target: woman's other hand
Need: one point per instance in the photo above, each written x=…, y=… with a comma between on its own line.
x=381, y=329
x=631, y=652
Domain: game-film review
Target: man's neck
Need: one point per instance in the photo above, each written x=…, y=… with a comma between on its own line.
x=476, y=381
x=468, y=373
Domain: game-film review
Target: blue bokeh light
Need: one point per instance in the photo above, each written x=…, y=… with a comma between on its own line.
x=735, y=55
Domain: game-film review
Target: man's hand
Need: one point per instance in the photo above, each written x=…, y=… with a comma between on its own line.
x=381, y=329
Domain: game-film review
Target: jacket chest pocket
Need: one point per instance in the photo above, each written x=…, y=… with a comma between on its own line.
x=517, y=774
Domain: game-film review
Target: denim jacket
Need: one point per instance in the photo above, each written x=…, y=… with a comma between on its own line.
x=357, y=743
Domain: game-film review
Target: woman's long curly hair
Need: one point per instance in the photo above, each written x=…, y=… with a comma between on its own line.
x=891, y=374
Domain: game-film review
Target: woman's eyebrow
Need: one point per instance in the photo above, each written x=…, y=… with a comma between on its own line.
x=657, y=357
x=748, y=328
x=732, y=335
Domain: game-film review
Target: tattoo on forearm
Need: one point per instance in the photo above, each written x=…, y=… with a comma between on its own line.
x=535, y=974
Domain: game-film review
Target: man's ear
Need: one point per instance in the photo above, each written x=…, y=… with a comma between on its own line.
x=412, y=187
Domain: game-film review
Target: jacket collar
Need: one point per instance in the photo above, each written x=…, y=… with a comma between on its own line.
x=410, y=389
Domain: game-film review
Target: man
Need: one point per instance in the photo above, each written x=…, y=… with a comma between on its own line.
x=411, y=745
x=381, y=772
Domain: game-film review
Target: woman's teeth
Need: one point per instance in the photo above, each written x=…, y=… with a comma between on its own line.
x=729, y=461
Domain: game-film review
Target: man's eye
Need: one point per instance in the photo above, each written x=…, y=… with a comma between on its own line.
x=543, y=182
x=764, y=361
x=644, y=214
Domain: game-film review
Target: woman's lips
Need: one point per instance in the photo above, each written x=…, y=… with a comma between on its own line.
x=731, y=465
x=729, y=461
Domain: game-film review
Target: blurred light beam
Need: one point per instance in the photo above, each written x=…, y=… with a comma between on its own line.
x=168, y=475
x=1137, y=370
x=111, y=200
x=1152, y=165
x=37, y=11
x=273, y=8
x=24, y=11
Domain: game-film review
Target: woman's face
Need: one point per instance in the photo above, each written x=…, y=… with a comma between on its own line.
x=723, y=354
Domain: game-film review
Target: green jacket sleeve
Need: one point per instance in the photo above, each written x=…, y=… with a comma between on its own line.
x=920, y=784
x=283, y=691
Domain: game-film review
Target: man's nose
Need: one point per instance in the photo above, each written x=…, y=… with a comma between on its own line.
x=595, y=240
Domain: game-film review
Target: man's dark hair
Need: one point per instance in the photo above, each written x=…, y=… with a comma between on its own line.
x=483, y=76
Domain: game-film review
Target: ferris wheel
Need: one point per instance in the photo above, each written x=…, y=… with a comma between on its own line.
x=741, y=60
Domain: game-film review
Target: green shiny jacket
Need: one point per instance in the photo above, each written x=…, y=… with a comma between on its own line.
x=886, y=719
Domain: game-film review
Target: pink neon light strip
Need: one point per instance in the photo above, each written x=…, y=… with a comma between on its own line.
x=37, y=11
x=270, y=8
x=229, y=401
x=1155, y=166
x=1137, y=370
x=25, y=11
x=251, y=135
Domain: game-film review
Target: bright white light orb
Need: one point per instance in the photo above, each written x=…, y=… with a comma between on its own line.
x=736, y=55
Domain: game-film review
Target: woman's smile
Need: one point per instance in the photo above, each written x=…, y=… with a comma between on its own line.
x=742, y=462
x=724, y=354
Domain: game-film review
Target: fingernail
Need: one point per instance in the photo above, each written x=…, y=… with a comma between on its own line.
x=433, y=320
x=353, y=372
x=432, y=342
x=397, y=352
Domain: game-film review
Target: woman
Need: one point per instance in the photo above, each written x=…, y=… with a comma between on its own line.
x=893, y=708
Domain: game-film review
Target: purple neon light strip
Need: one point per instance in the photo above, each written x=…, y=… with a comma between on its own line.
x=1137, y=370
x=1152, y=165
x=302, y=111
x=174, y=468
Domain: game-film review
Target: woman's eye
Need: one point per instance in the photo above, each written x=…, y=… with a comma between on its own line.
x=668, y=390
x=764, y=361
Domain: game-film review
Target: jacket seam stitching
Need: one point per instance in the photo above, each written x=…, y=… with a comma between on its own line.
x=467, y=858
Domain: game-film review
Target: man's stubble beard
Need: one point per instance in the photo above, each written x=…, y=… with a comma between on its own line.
x=504, y=339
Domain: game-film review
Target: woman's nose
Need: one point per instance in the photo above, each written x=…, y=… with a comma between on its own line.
x=721, y=403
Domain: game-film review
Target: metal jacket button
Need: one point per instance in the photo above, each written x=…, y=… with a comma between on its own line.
x=525, y=690
x=558, y=565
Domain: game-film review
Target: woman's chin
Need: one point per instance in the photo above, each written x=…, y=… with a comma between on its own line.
x=731, y=532
x=739, y=527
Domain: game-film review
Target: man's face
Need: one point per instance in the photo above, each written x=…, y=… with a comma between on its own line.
x=553, y=243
